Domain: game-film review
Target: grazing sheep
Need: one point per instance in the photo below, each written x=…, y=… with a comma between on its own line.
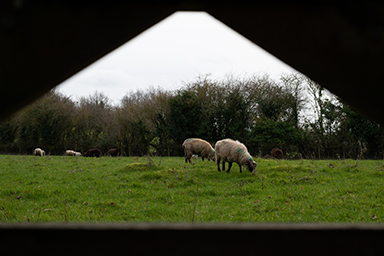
x=277, y=153
x=93, y=152
x=228, y=150
x=199, y=147
x=114, y=152
x=70, y=153
x=39, y=152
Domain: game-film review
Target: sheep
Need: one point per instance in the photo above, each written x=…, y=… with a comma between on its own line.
x=228, y=150
x=39, y=152
x=277, y=153
x=200, y=147
x=114, y=152
x=70, y=153
x=93, y=152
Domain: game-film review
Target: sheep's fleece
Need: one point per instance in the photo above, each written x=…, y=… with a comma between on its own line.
x=230, y=151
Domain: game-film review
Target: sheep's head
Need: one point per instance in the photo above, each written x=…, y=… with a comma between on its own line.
x=251, y=165
x=212, y=155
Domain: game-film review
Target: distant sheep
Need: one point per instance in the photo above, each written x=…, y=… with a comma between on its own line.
x=230, y=151
x=114, y=152
x=199, y=147
x=94, y=152
x=277, y=153
x=72, y=153
x=39, y=152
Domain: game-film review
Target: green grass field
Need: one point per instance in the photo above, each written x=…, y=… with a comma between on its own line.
x=128, y=189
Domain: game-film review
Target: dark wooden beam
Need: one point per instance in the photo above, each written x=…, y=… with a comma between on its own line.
x=192, y=239
x=338, y=44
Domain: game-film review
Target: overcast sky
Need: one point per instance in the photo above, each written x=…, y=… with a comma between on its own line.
x=176, y=50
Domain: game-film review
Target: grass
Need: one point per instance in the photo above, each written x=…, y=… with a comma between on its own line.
x=129, y=189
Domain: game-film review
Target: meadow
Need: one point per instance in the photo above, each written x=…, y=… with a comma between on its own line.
x=167, y=190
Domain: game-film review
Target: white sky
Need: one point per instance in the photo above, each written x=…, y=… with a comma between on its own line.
x=176, y=50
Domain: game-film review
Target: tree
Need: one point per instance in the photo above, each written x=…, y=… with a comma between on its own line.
x=8, y=135
x=367, y=136
x=185, y=116
x=295, y=99
x=135, y=133
x=94, y=124
x=45, y=123
x=270, y=134
x=234, y=115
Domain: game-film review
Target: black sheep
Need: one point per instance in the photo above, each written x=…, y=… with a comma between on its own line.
x=114, y=152
x=93, y=152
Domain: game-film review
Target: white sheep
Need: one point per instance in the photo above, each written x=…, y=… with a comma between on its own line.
x=199, y=147
x=70, y=153
x=39, y=152
x=230, y=151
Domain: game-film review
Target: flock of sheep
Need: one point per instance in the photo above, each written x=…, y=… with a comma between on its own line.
x=94, y=152
x=226, y=150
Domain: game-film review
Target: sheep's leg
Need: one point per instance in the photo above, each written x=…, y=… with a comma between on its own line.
x=223, y=166
x=218, y=165
x=240, y=169
x=229, y=166
x=202, y=154
x=188, y=158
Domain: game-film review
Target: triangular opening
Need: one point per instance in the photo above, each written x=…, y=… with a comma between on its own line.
x=180, y=48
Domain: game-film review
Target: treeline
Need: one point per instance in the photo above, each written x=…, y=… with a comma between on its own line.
x=293, y=113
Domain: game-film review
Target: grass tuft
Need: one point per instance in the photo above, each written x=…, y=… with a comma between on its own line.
x=136, y=167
